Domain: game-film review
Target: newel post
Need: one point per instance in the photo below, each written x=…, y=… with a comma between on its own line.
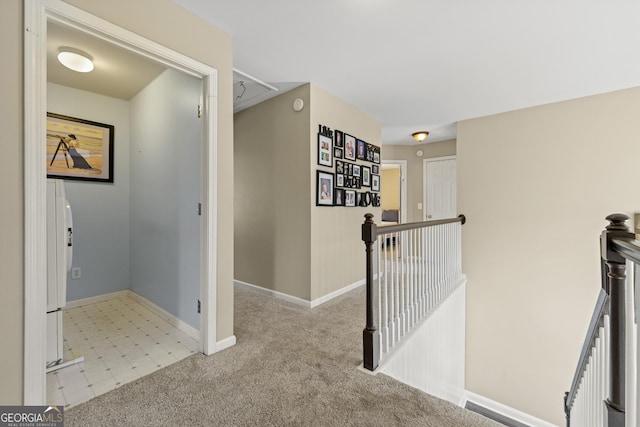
x=615, y=287
x=370, y=339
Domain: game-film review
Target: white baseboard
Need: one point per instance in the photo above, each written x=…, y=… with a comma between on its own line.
x=226, y=343
x=96, y=299
x=172, y=319
x=295, y=300
x=505, y=410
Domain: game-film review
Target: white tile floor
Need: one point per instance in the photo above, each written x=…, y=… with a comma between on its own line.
x=121, y=340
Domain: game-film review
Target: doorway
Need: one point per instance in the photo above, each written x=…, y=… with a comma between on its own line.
x=37, y=15
x=439, y=184
x=393, y=189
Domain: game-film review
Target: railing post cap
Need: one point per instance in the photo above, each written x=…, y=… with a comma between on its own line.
x=368, y=217
x=617, y=222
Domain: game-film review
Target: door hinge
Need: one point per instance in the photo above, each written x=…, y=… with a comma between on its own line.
x=199, y=208
x=198, y=306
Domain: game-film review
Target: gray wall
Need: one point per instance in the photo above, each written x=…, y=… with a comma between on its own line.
x=165, y=190
x=100, y=210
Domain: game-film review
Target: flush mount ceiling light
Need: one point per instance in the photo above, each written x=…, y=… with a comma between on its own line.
x=75, y=59
x=420, y=136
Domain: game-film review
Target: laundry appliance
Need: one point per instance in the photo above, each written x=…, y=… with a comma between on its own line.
x=59, y=258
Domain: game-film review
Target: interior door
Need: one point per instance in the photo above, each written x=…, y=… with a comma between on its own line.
x=439, y=188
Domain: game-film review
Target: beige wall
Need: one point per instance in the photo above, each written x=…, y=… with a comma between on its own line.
x=337, y=251
x=390, y=188
x=11, y=208
x=134, y=16
x=414, y=169
x=535, y=186
x=272, y=215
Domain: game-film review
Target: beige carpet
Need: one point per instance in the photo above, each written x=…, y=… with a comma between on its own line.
x=291, y=366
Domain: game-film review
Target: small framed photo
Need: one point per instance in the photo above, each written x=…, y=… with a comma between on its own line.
x=357, y=182
x=338, y=197
x=338, y=138
x=349, y=147
x=370, y=151
x=340, y=180
x=375, y=169
x=376, y=155
x=325, y=154
x=349, y=198
x=356, y=170
x=337, y=152
x=366, y=176
x=375, y=182
x=362, y=150
x=340, y=167
x=324, y=189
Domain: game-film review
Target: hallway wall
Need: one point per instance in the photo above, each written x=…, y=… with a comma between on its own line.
x=100, y=209
x=535, y=204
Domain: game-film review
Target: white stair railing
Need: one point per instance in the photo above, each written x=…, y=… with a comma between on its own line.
x=411, y=269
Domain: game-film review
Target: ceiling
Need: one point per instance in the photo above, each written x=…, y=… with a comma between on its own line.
x=427, y=64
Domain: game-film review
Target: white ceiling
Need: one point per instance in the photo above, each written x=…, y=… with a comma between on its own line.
x=426, y=64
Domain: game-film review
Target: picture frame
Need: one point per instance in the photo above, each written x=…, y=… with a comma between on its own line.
x=338, y=139
x=375, y=182
x=376, y=155
x=79, y=149
x=339, y=180
x=324, y=188
x=370, y=152
x=337, y=152
x=356, y=170
x=361, y=153
x=349, y=147
x=366, y=176
x=340, y=167
x=349, y=197
x=338, y=195
x=375, y=169
x=325, y=151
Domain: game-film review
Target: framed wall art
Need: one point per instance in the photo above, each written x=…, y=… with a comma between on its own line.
x=338, y=197
x=349, y=147
x=366, y=176
x=338, y=139
x=349, y=198
x=356, y=170
x=325, y=154
x=79, y=149
x=375, y=169
x=362, y=150
x=375, y=182
x=324, y=188
x=337, y=153
x=339, y=180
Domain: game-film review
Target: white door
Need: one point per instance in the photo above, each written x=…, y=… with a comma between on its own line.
x=439, y=188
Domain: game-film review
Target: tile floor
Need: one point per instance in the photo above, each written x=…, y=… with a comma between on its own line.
x=121, y=340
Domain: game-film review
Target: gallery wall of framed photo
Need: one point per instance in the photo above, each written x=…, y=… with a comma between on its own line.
x=351, y=177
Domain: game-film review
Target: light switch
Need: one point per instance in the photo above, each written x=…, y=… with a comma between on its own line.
x=419, y=206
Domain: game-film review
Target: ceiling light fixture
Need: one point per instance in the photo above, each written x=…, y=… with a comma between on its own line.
x=420, y=136
x=75, y=59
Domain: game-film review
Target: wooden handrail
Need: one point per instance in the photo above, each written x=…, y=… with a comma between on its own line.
x=385, y=229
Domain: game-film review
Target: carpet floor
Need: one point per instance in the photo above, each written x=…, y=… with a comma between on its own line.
x=290, y=366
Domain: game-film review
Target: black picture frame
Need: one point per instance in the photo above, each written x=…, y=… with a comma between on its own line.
x=366, y=176
x=375, y=182
x=324, y=188
x=340, y=166
x=376, y=154
x=370, y=150
x=79, y=149
x=361, y=153
x=325, y=151
x=338, y=197
x=339, y=180
x=349, y=198
x=338, y=139
x=349, y=147
x=375, y=169
x=337, y=152
x=356, y=170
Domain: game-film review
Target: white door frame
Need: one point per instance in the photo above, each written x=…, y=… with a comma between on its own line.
x=37, y=13
x=403, y=186
x=425, y=162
